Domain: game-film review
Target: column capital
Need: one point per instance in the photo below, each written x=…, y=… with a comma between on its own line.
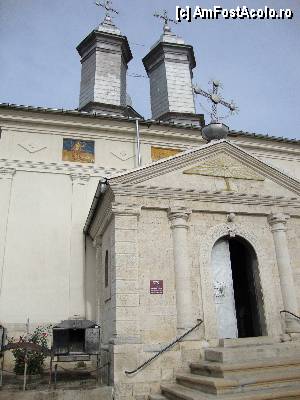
x=125, y=209
x=179, y=216
x=278, y=221
x=79, y=178
x=7, y=173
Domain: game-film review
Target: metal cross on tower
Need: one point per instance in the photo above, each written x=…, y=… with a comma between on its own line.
x=216, y=99
x=107, y=5
x=165, y=18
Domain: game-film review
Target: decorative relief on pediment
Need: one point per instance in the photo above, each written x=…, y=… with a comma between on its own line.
x=32, y=147
x=224, y=166
x=157, y=153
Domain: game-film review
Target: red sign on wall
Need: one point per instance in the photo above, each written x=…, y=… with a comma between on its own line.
x=156, y=287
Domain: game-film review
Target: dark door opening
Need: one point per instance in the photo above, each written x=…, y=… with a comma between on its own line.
x=247, y=292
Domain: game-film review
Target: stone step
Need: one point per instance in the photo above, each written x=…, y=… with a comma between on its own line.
x=270, y=380
x=157, y=397
x=230, y=370
x=252, y=353
x=173, y=391
x=246, y=382
x=178, y=392
x=249, y=341
x=208, y=384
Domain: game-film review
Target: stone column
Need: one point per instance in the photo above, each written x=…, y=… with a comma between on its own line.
x=184, y=302
x=278, y=227
x=6, y=178
x=77, y=245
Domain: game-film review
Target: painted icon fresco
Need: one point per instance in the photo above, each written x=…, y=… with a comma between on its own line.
x=158, y=153
x=82, y=151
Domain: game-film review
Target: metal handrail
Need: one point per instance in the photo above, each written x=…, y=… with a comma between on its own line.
x=289, y=312
x=200, y=321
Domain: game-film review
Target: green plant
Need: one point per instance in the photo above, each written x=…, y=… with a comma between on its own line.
x=35, y=359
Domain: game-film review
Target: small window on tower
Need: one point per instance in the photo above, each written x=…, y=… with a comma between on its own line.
x=106, y=269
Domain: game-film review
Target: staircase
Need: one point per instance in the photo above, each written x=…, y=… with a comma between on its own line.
x=240, y=369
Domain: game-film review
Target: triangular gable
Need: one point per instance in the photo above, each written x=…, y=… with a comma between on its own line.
x=223, y=166
x=237, y=163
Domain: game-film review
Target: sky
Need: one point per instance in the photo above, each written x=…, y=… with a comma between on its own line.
x=257, y=61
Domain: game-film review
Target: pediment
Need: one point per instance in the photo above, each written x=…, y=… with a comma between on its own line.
x=224, y=166
x=216, y=167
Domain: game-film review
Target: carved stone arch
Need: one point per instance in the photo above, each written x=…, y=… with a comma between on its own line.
x=265, y=271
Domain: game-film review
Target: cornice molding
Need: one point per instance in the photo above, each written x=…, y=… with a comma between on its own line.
x=80, y=179
x=125, y=209
x=96, y=128
x=58, y=167
x=295, y=156
x=205, y=196
x=256, y=144
x=7, y=173
x=102, y=215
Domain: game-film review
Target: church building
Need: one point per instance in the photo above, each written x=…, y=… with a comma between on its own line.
x=154, y=229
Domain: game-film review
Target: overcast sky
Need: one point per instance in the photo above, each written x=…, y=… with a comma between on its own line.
x=257, y=61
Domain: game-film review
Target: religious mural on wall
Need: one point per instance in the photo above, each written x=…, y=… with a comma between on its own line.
x=77, y=150
x=158, y=153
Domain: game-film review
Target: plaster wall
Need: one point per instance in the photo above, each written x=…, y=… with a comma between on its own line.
x=39, y=137
x=36, y=265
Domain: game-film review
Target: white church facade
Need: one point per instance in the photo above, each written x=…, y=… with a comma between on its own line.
x=143, y=227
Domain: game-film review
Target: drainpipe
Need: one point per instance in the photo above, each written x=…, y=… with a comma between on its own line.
x=138, y=159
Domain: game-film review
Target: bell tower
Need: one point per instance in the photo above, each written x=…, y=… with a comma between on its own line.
x=169, y=66
x=104, y=53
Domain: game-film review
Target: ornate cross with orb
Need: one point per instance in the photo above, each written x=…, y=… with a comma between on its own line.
x=107, y=5
x=165, y=18
x=216, y=99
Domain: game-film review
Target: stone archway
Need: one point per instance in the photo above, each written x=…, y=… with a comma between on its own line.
x=237, y=289
x=272, y=323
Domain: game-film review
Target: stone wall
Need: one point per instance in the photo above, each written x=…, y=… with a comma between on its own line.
x=146, y=322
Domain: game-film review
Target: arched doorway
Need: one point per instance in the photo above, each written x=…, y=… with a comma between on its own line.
x=237, y=289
